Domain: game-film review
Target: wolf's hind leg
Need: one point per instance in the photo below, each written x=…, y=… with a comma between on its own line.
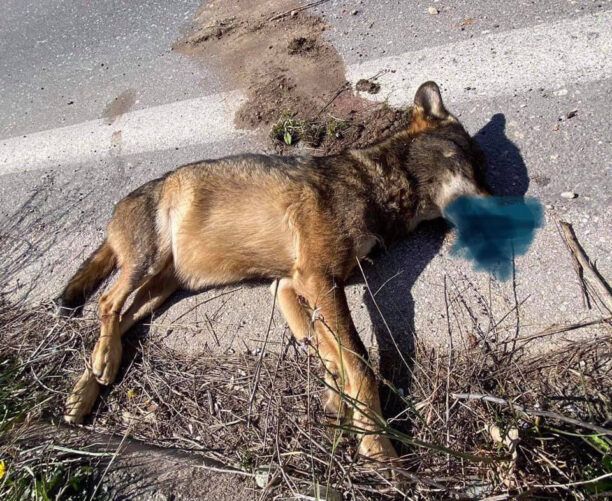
x=150, y=296
x=82, y=398
x=106, y=355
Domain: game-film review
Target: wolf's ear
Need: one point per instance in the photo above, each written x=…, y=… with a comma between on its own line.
x=429, y=99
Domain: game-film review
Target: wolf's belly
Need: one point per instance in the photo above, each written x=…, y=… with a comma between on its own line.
x=221, y=248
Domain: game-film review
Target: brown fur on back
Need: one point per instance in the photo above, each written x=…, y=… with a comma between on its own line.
x=244, y=216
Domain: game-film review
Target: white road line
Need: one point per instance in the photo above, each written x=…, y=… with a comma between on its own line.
x=201, y=120
x=550, y=56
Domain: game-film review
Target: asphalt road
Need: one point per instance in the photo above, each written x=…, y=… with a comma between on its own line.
x=93, y=103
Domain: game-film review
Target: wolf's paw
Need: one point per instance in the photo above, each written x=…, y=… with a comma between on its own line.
x=378, y=452
x=106, y=358
x=82, y=399
x=377, y=447
x=334, y=407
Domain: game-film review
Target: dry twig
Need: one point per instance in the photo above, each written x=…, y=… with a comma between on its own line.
x=583, y=263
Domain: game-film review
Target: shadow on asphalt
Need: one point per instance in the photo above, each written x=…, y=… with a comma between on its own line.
x=395, y=271
x=31, y=231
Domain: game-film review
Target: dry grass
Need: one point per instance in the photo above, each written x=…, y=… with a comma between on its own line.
x=493, y=419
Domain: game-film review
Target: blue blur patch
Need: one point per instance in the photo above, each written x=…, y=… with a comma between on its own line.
x=492, y=230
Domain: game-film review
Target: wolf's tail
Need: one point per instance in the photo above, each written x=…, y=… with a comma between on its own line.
x=87, y=279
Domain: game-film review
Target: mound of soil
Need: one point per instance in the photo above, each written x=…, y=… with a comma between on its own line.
x=277, y=53
x=301, y=46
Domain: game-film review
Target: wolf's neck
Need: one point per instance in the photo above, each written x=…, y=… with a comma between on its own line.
x=397, y=197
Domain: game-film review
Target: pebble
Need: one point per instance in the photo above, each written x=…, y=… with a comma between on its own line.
x=569, y=195
x=262, y=476
x=433, y=11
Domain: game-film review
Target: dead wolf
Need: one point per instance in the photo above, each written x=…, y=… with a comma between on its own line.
x=302, y=221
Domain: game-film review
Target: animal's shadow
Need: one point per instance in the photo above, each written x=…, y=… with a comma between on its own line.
x=393, y=274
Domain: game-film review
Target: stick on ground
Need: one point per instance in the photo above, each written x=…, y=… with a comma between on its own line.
x=583, y=263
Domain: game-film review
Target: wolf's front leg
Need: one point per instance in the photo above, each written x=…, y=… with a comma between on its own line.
x=339, y=343
x=301, y=325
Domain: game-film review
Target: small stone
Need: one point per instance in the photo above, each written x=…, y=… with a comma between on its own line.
x=571, y=114
x=433, y=11
x=264, y=475
x=354, y=13
x=569, y=195
x=261, y=478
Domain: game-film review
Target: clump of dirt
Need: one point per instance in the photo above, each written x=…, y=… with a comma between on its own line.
x=329, y=134
x=276, y=51
x=365, y=85
x=301, y=46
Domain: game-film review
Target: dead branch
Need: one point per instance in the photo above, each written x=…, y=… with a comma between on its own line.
x=532, y=412
x=559, y=329
x=583, y=263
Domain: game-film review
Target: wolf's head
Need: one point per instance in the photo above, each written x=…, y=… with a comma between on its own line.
x=446, y=162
